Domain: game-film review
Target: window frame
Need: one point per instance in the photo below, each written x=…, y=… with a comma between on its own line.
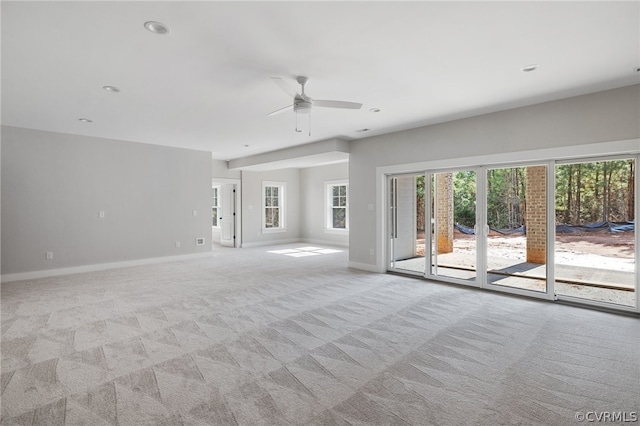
x=282, y=190
x=215, y=188
x=329, y=207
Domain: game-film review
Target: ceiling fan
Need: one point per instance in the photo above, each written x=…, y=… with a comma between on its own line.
x=303, y=104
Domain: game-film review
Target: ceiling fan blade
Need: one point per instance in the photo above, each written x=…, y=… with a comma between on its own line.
x=278, y=111
x=336, y=104
x=285, y=86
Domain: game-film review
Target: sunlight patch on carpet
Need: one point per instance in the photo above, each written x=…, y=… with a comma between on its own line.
x=304, y=251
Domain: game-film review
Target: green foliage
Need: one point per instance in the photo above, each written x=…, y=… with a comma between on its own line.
x=506, y=197
x=420, y=191
x=595, y=192
x=464, y=198
x=585, y=193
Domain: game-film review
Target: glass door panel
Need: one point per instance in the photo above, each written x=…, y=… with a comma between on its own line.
x=453, y=223
x=595, y=248
x=406, y=212
x=516, y=235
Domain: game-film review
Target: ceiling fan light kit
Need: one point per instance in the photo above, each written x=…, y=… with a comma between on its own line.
x=302, y=104
x=302, y=107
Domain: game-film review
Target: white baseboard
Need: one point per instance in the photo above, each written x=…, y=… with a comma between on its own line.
x=366, y=267
x=271, y=243
x=97, y=267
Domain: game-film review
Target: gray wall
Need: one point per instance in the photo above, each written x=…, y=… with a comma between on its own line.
x=252, y=207
x=312, y=203
x=600, y=117
x=54, y=185
x=219, y=170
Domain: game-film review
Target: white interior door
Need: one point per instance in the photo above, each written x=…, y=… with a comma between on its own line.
x=228, y=217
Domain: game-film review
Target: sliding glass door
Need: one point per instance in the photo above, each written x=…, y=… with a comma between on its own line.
x=595, y=243
x=452, y=214
x=516, y=227
x=406, y=243
x=555, y=230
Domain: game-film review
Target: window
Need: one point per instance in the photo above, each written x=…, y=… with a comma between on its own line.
x=215, y=206
x=337, y=206
x=273, y=208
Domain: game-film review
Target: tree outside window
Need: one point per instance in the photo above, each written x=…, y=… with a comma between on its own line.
x=338, y=206
x=215, y=206
x=273, y=213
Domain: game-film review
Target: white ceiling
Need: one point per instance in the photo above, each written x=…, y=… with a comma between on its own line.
x=207, y=86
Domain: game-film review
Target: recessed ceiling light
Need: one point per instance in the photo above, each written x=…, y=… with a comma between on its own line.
x=85, y=120
x=638, y=69
x=530, y=68
x=113, y=89
x=363, y=130
x=246, y=146
x=374, y=110
x=156, y=27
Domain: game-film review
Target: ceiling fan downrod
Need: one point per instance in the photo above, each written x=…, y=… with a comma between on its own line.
x=302, y=80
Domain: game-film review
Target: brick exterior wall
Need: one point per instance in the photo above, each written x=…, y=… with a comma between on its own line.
x=444, y=212
x=536, y=212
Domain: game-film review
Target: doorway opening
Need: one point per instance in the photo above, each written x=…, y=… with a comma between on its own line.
x=226, y=213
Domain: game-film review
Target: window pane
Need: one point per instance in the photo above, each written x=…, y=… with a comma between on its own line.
x=214, y=216
x=595, y=231
x=342, y=202
x=335, y=201
x=339, y=218
x=336, y=190
x=343, y=190
x=272, y=204
x=214, y=197
x=267, y=218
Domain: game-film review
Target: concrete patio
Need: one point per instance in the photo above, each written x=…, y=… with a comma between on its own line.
x=578, y=281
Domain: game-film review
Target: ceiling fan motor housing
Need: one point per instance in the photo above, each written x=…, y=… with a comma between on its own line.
x=302, y=106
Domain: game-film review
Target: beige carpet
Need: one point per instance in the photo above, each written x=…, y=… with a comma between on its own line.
x=251, y=337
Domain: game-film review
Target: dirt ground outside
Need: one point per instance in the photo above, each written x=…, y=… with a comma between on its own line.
x=604, y=260
x=614, y=251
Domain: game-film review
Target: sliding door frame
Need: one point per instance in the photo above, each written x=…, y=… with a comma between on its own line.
x=391, y=230
x=636, y=182
x=549, y=292
x=551, y=156
x=480, y=188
